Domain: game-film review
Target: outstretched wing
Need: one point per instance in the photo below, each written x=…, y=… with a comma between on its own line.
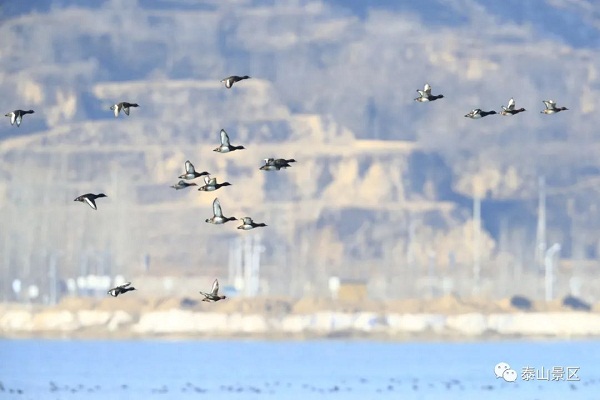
x=212, y=182
x=13, y=118
x=246, y=220
x=224, y=138
x=189, y=167
x=18, y=119
x=511, y=104
x=126, y=110
x=427, y=89
x=215, y=288
x=206, y=179
x=90, y=202
x=550, y=104
x=217, y=208
x=125, y=285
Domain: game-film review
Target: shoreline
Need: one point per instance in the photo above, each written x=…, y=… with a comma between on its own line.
x=245, y=320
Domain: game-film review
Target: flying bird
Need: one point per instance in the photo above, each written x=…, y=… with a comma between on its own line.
x=213, y=296
x=225, y=146
x=90, y=199
x=230, y=80
x=275, y=164
x=248, y=224
x=218, y=217
x=477, y=113
x=114, y=292
x=122, y=106
x=510, y=108
x=182, y=185
x=551, y=107
x=210, y=184
x=17, y=116
x=425, y=95
x=190, y=172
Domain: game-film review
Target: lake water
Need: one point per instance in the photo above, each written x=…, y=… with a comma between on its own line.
x=237, y=369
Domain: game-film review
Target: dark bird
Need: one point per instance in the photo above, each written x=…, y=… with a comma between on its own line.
x=114, y=292
x=425, y=95
x=182, y=185
x=17, y=116
x=218, y=217
x=210, y=184
x=122, y=106
x=230, y=80
x=190, y=171
x=477, y=113
x=90, y=199
x=275, y=164
x=248, y=224
x=510, y=109
x=551, y=107
x=214, y=293
x=225, y=146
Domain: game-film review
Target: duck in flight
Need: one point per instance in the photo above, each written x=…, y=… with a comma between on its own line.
x=275, y=164
x=510, y=108
x=122, y=106
x=248, y=224
x=225, y=146
x=190, y=172
x=124, y=288
x=210, y=184
x=551, y=107
x=213, y=296
x=218, y=217
x=477, y=113
x=425, y=95
x=230, y=80
x=17, y=116
x=90, y=199
x=182, y=185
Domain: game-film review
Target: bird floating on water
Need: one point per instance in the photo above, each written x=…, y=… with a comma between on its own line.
x=90, y=199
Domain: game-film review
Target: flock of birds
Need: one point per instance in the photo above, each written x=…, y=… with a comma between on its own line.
x=425, y=96
x=270, y=164
x=210, y=183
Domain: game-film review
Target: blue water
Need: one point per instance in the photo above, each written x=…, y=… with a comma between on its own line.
x=234, y=369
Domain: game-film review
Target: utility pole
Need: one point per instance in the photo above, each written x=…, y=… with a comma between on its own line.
x=52, y=278
x=549, y=264
x=476, y=240
x=540, y=241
